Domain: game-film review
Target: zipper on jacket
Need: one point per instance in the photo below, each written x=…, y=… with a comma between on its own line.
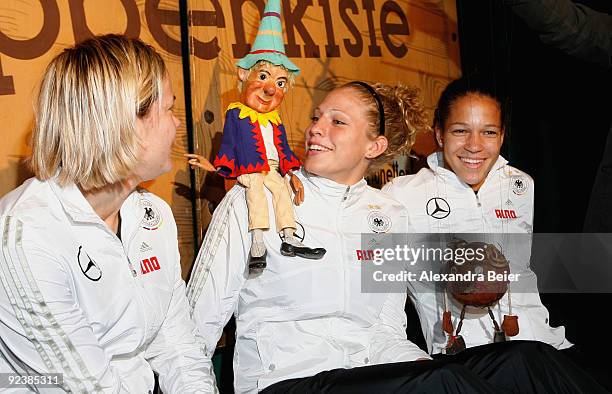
x=134, y=273
x=126, y=250
x=482, y=217
x=342, y=247
x=125, y=246
x=346, y=192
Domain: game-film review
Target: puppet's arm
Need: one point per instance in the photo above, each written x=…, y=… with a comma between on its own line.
x=225, y=159
x=297, y=187
x=199, y=161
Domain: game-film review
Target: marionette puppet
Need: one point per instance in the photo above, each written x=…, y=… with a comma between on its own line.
x=254, y=147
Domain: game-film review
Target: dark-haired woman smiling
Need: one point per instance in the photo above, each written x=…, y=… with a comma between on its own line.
x=479, y=196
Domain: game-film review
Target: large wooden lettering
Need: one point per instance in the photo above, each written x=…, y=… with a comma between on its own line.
x=332, y=41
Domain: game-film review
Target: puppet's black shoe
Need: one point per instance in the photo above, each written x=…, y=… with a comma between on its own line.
x=257, y=262
x=302, y=251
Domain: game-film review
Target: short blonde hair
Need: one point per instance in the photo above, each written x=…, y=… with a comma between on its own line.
x=89, y=99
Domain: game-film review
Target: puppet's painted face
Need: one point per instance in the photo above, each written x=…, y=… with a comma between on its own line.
x=264, y=88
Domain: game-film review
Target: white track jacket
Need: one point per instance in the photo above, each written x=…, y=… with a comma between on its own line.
x=78, y=301
x=301, y=317
x=439, y=202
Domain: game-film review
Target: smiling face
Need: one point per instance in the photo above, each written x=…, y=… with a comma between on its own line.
x=338, y=143
x=157, y=131
x=472, y=138
x=264, y=86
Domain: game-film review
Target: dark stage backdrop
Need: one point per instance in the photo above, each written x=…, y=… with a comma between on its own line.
x=560, y=114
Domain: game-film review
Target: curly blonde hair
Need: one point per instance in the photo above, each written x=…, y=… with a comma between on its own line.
x=404, y=116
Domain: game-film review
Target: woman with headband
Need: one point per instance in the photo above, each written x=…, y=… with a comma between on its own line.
x=301, y=317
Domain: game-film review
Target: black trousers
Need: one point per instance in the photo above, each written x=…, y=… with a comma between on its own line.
x=592, y=360
x=508, y=367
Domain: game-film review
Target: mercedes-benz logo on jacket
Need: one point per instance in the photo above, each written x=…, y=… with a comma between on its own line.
x=437, y=208
x=88, y=267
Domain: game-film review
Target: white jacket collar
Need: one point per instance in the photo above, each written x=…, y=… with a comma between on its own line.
x=74, y=203
x=333, y=189
x=436, y=164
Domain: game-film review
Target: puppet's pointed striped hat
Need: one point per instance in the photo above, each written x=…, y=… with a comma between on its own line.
x=269, y=41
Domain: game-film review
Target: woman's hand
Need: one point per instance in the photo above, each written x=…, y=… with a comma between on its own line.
x=199, y=161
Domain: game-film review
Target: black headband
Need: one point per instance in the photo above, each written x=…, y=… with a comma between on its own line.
x=379, y=105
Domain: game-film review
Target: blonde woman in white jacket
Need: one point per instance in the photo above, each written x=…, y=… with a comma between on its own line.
x=92, y=298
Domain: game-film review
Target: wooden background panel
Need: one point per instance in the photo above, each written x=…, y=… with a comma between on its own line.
x=413, y=41
x=331, y=46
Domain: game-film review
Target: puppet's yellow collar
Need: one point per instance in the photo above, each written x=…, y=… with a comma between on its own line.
x=262, y=119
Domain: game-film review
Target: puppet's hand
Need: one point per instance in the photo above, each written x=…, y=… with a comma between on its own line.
x=298, y=189
x=199, y=161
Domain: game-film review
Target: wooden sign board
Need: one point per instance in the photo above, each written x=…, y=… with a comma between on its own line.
x=332, y=41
